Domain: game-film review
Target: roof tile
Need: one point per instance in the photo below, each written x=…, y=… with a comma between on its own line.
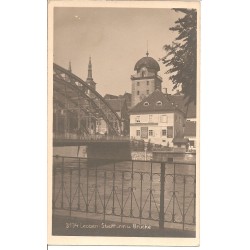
x=152, y=106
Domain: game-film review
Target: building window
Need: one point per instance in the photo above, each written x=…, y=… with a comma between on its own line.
x=170, y=131
x=137, y=119
x=191, y=143
x=138, y=132
x=150, y=118
x=142, y=73
x=147, y=82
x=138, y=92
x=147, y=92
x=138, y=83
x=159, y=103
x=163, y=140
x=150, y=132
x=145, y=103
x=164, y=132
x=163, y=118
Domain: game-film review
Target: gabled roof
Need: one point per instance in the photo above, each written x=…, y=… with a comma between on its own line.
x=190, y=110
x=116, y=104
x=190, y=128
x=149, y=104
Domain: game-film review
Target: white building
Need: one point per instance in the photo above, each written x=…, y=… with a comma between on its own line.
x=157, y=119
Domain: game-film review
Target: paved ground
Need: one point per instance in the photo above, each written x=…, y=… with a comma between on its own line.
x=69, y=226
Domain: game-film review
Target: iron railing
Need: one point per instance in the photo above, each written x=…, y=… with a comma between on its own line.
x=160, y=192
x=84, y=137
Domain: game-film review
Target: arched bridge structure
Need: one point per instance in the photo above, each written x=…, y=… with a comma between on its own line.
x=77, y=107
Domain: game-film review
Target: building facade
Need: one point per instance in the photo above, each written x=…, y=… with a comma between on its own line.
x=156, y=120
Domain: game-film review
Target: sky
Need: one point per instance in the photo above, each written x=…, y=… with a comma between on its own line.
x=115, y=38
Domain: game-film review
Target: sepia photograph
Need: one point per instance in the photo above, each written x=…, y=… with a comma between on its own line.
x=123, y=123
x=118, y=124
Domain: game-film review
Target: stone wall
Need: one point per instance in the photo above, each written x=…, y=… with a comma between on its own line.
x=140, y=155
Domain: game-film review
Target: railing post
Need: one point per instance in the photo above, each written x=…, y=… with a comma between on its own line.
x=162, y=183
x=54, y=187
x=87, y=196
x=122, y=197
x=79, y=182
x=62, y=181
x=113, y=207
x=104, y=200
x=132, y=190
x=194, y=217
x=173, y=212
x=183, y=208
x=70, y=192
x=141, y=177
x=95, y=188
x=150, y=190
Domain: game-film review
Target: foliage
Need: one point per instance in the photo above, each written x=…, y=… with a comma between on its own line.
x=181, y=55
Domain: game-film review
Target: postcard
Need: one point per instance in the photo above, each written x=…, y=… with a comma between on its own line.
x=123, y=123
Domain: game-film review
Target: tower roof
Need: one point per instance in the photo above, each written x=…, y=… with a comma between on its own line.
x=90, y=78
x=147, y=62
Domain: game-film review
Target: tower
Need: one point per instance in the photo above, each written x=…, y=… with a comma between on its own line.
x=145, y=81
x=89, y=79
x=90, y=119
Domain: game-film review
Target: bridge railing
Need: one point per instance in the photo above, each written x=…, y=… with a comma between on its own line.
x=94, y=137
x=160, y=193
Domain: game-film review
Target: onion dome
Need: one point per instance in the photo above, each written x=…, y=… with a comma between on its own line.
x=147, y=62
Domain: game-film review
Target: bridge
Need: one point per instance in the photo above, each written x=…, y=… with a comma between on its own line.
x=77, y=108
x=79, y=140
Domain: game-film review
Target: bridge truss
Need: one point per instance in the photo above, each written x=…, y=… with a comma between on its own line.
x=77, y=107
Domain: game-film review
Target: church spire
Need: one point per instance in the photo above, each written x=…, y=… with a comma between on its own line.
x=90, y=70
x=70, y=67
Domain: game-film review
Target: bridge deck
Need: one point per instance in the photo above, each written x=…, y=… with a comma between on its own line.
x=83, y=142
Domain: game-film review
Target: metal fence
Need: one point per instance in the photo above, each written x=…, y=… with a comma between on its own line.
x=95, y=137
x=160, y=192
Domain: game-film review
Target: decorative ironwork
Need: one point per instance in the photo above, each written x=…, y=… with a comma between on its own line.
x=163, y=193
